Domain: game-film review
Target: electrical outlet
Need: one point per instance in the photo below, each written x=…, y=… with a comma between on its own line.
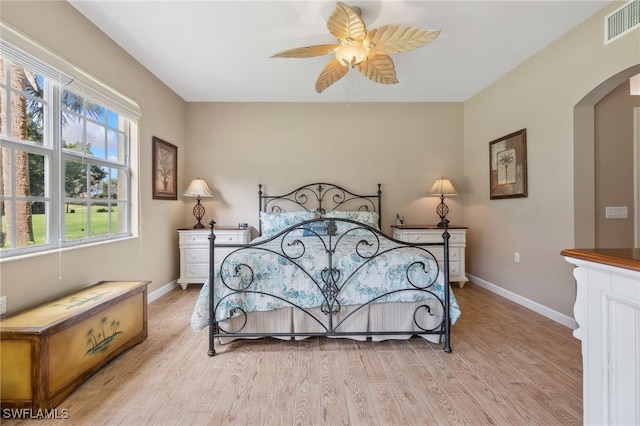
x=516, y=256
x=3, y=305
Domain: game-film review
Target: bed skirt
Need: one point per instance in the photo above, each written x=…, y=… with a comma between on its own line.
x=379, y=317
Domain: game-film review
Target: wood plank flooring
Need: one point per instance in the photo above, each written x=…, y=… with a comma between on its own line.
x=509, y=366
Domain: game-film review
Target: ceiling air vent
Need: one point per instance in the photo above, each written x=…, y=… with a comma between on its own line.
x=623, y=20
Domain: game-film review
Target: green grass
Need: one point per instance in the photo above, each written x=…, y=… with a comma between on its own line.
x=75, y=223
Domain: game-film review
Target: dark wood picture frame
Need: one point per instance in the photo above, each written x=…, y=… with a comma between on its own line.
x=165, y=170
x=508, y=166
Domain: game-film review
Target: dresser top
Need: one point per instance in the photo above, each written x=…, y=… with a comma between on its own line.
x=217, y=228
x=426, y=227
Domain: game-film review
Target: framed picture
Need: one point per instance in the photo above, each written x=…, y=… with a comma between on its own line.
x=165, y=170
x=508, y=166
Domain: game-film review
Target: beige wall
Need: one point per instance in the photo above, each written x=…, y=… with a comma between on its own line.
x=540, y=95
x=613, y=117
x=154, y=257
x=403, y=146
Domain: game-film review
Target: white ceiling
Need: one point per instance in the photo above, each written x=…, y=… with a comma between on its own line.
x=220, y=51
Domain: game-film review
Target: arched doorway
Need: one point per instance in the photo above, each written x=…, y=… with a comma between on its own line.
x=584, y=158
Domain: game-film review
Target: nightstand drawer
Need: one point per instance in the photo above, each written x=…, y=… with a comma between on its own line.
x=194, y=238
x=429, y=237
x=229, y=237
x=196, y=270
x=454, y=269
x=438, y=253
x=202, y=238
x=424, y=238
x=196, y=255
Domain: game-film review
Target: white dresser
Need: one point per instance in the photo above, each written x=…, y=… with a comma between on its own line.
x=194, y=250
x=433, y=234
x=607, y=311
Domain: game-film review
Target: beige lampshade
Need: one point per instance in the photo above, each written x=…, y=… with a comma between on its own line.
x=198, y=188
x=443, y=186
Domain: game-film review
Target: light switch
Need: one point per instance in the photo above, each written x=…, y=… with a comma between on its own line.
x=616, y=212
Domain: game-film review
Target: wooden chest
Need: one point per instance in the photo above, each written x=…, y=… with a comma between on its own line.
x=48, y=351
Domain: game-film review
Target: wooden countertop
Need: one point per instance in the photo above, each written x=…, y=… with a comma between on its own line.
x=621, y=258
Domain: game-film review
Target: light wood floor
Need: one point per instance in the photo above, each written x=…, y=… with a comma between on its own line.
x=509, y=366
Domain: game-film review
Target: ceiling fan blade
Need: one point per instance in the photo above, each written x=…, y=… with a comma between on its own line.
x=333, y=72
x=379, y=68
x=390, y=39
x=346, y=23
x=307, y=52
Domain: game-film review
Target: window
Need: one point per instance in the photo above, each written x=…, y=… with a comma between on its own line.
x=65, y=149
x=94, y=143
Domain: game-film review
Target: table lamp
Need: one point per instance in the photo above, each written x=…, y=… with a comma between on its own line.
x=198, y=188
x=443, y=187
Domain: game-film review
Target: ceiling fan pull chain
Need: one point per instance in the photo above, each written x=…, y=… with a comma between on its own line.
x=348, y=84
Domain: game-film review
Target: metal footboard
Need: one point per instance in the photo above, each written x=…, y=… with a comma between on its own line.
x=327, y=282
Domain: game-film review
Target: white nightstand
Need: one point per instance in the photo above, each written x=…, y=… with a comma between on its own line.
x=194, y=250
x=433, y=234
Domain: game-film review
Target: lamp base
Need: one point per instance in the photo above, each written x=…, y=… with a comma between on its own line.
x=442, y=211
x=198, y=212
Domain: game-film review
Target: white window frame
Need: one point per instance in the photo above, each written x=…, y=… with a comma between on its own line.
x=20, y=49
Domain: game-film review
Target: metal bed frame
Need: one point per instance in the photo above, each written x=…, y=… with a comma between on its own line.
x=321, y=197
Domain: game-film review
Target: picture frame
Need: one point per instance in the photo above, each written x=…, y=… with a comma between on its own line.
x=508, y=166
x=165, y=170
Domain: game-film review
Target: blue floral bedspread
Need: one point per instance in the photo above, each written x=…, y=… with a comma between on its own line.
x=294, y=270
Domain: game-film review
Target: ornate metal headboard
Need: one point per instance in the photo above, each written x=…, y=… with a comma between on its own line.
x=320, y=197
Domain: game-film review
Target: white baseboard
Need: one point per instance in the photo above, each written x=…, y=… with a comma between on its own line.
x=527, y=303
x=162, y=291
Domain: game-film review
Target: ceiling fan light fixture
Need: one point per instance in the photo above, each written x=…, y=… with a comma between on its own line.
x=351, y=54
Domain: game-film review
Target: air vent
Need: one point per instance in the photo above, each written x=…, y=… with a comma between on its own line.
x=622, y=21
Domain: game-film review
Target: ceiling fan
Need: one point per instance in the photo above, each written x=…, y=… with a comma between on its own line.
x=368, y=52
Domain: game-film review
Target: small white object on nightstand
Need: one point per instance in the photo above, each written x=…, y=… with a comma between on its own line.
x=194, y=250
x=433, y=234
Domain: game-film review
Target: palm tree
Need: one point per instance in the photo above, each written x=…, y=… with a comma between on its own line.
x=505, y=160
x=91, y=339
x=103, y=321
x=26, y=111
x=114, y=327
x=23, y=229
